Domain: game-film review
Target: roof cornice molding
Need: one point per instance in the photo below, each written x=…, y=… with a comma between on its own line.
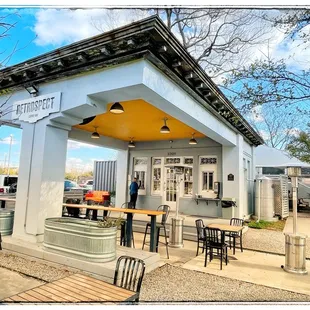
x=137, y=40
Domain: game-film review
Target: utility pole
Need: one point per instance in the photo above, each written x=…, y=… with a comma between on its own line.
x=9, y=157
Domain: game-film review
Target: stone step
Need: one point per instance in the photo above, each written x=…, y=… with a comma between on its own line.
x=103, y=271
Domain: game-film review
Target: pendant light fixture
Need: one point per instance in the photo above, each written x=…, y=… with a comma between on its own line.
x=95, y=134
x=192, y=140
x=131, y=143
x=165, y=128
x=117, y=108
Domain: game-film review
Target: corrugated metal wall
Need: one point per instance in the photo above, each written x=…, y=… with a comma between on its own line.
x=105, y=175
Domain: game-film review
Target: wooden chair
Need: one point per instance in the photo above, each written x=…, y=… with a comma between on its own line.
x=131, y=271
x=215, y=241
x=160, y=225
x=233, y=236
x=201, y=238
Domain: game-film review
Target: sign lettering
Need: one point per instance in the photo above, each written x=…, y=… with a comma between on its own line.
x=36, y=108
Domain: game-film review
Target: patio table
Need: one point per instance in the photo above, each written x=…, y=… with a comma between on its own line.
x=226, y=228
x=129, y=212
x=76, y=288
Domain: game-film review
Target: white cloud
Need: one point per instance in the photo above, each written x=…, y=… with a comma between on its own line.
x=264, y=134
x=63, y=26
x=74, y=145
x=293, y=132
x=77, y=165
x=7, y=140
x=256, y=114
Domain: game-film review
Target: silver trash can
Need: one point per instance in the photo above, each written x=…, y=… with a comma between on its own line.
x=6, y=221
x=176, y=233
x=295, y=253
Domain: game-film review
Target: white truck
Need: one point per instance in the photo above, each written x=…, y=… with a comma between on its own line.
x=8, y=184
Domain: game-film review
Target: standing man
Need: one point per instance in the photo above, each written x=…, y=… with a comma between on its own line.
x=134, y=192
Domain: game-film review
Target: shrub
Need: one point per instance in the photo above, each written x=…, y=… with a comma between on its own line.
x=108, y=222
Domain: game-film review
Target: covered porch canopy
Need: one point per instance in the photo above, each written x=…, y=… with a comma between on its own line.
x=146, y=69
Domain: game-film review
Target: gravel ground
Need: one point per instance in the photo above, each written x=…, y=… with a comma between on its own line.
x=46, y=272
x=170, y=283
x=304, y=213
x=268, y=241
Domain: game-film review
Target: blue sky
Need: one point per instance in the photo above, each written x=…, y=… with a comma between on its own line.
x=40, y=30
x=24, y=35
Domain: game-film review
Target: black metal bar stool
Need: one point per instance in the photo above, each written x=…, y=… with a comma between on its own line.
x=160, y=225
x=128, y=205
x=201, y=238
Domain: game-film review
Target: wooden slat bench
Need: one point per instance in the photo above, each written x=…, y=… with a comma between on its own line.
x=77, y=288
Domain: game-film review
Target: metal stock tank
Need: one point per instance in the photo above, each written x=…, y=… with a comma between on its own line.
x=6, y=221
x=264, y=199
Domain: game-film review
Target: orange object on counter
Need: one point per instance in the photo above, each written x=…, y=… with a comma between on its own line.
x=97, y=196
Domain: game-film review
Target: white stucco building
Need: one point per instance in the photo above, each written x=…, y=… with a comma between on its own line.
x=144, y=68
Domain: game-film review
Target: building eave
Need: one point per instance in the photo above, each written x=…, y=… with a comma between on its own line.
x=148, y=38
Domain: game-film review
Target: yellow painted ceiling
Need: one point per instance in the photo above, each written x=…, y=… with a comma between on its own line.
x=141, y=120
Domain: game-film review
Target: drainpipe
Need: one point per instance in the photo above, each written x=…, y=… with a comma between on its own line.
x=28, y=188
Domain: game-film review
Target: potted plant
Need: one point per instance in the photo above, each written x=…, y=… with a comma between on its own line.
x=82, y=239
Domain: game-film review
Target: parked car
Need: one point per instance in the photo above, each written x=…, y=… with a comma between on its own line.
x=74, y=194
x=88, y=184
x=8, y=184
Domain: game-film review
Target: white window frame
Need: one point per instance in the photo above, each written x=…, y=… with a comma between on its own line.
x=157, y=166
x=188, y=166
x=141, y=168
x=207, y=168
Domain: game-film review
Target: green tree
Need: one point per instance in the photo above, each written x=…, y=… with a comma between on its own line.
x=299, y=147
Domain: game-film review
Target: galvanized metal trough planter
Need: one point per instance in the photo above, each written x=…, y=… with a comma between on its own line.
x=81, y=239
x=6, y=222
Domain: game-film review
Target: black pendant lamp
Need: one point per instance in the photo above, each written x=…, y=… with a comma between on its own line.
x=117, y=108
x=165, y=128
x=131, y=144
x=192, y=140
x=95, y=134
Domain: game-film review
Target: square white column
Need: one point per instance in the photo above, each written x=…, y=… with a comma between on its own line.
x=121, y=177
x=233, y=164
x=40, y=180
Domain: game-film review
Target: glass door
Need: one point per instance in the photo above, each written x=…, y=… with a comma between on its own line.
x=170, y=188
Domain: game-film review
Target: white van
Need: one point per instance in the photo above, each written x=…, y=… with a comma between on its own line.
x=8, y=184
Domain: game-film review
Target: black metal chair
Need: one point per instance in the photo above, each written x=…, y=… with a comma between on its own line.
x=160, y=225
x=235, y=222
x=215, y=240
x=129, y=273
x=126, y=205
x=201, y=238
x=0, y=242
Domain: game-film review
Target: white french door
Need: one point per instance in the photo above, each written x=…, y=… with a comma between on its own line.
x=170, y=188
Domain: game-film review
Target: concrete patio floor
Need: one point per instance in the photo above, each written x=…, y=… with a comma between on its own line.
x=250, y=266
x=13, y=283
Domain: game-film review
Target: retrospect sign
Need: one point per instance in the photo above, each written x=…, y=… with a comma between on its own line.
x=35, y=108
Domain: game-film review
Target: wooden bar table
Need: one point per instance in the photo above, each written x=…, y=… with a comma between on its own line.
x=77, y=288
x=129, y=212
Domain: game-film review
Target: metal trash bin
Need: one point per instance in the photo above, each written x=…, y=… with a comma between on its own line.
x=295, y=253
x=176, y=233
x=6, y=221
